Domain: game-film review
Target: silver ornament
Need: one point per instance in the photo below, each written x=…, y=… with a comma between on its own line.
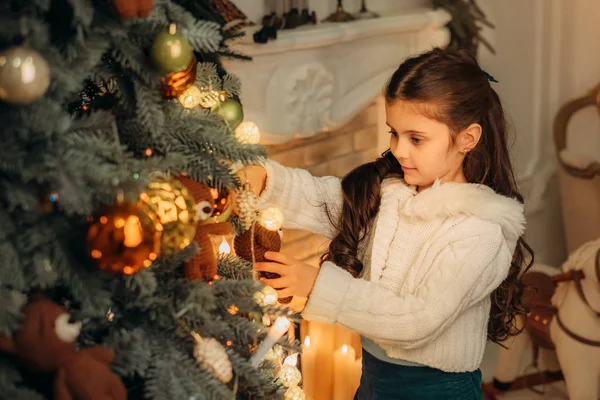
x=24, y=75
x=211, y=356
x=246, y=204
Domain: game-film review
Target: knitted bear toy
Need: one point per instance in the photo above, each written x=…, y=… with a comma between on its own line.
x=204, y=264
x=263, y=240
x=47, y=342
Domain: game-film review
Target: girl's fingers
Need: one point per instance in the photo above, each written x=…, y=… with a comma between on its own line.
x=280, y=258
x=277, y=283
x=269, y=267
x=287, y=292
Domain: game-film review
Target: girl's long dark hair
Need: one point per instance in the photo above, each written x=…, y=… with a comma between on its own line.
x=460, y=93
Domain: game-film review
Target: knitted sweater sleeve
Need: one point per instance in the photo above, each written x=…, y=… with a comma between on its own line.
x=466, y=270
x=303, y=198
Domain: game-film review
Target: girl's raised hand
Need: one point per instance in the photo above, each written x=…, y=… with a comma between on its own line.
x=296, y=278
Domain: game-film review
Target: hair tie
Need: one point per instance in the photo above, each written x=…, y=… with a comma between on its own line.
x=490, y=77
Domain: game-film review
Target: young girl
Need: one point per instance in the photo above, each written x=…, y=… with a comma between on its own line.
x=426, y=246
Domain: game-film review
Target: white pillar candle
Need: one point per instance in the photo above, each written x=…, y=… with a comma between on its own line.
x=343, y=372
x=309, y=367
x=356, y=374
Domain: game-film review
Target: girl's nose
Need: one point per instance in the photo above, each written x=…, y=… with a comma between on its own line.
x=400, y=150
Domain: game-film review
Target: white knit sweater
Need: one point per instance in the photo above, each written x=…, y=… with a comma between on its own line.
x=434, y=260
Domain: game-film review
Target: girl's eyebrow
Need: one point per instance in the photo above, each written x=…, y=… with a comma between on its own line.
x=407, y=131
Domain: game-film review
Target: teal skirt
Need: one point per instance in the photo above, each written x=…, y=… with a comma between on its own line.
x=381, y=380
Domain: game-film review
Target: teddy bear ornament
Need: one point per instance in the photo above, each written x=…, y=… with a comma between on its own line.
x=204, y=264
x=47, y=342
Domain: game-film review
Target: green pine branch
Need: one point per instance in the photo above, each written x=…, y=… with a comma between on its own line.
x=84, y=157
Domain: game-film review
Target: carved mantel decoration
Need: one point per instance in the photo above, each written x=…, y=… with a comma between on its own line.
x=316, y=78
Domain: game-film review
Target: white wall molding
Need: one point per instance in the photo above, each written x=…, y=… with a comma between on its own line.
x=316, y=78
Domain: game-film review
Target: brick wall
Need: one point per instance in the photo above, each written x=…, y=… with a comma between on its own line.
x=329, y=153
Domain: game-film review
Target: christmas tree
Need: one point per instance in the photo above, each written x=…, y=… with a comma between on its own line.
x=121, y=134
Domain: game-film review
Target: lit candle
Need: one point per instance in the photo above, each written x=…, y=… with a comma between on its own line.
x=309, y=367
x=278, y=329
x=343, y=363
x=357, y=373
x=322, y=340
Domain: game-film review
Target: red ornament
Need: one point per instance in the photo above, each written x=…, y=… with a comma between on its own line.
x=133, y=8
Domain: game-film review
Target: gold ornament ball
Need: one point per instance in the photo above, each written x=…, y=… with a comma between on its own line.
x=259, y=298
x=294, y=393
x=222, y=208
x=289, y=375
x=191, y=98
x=24, y=75
x=173, y=206
x=231, y=111
x=271, y=218
x=247, y=133
x=211, y=355
x=270, y=296
x=171, y=51
x=210, y=98
x=123, y=238
x=266, y=297
x=275, y=354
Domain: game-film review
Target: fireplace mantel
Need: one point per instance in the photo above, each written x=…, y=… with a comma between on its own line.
x=316, y=78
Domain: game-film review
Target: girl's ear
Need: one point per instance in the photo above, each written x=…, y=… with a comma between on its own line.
x=467, y=139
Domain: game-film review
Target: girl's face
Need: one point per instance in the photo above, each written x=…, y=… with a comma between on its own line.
x=425, y=147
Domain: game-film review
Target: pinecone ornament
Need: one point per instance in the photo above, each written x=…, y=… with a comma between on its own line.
x=246, y=205
x=211, y=356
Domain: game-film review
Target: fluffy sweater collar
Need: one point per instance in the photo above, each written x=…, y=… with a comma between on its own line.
x=443, y=200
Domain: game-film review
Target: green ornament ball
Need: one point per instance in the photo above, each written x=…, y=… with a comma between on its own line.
x=171, y=51
x=231, y=111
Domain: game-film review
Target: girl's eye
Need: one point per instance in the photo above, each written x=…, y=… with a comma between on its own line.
x=393, y=133
x=416, y=140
